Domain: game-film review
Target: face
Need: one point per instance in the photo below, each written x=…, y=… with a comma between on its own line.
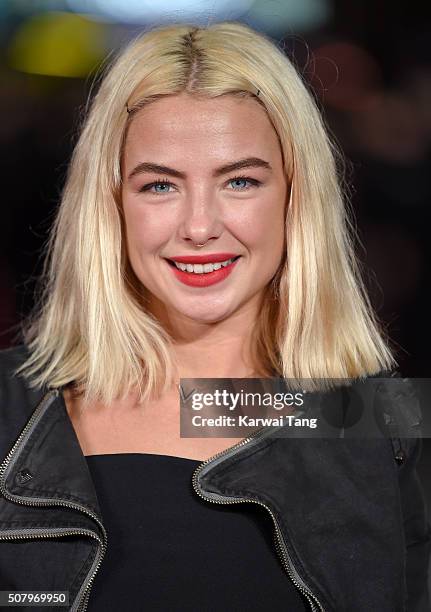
x=198, y=196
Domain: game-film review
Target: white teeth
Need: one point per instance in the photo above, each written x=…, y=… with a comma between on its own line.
x=202, y=268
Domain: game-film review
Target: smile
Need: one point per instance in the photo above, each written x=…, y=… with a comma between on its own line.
x=203, y=268
x=202, y=274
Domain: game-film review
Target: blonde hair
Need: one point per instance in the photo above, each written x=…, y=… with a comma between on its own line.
x=90, y=326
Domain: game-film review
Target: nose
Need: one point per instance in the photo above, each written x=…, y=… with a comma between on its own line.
x=201, y=220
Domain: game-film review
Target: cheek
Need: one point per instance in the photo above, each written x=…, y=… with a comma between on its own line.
x=146, y=228
x=261, y=228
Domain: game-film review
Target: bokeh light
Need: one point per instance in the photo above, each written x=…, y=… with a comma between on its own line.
x=57, y=44
x=148, y=11
x=284, y=17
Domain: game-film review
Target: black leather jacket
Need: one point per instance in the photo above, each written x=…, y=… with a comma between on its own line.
x=349, y=519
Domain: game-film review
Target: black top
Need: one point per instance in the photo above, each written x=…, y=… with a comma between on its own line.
x=170, y=550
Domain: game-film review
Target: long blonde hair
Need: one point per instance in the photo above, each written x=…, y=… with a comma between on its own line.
x=90, y=326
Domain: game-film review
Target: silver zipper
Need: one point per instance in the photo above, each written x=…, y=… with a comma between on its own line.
x=281, y=547
x=84, y=592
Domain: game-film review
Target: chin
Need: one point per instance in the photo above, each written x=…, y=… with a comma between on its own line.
x=207, y=315
x=208, y=318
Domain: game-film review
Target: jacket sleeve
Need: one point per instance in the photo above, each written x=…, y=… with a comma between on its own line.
x=417, y=529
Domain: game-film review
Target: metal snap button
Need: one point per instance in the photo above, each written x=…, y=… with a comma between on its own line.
x=24, y=476
x=400, y=456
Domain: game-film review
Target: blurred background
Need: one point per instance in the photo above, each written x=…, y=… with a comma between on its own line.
x=368, y=65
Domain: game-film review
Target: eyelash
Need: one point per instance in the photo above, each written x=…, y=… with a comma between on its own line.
x=146, y=188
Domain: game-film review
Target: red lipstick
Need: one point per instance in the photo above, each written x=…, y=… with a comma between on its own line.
x=203, y=279
x=201, y=259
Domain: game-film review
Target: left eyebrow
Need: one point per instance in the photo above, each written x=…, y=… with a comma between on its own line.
x=248, y=162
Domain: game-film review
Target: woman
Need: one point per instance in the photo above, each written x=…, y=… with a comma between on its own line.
x=201, y=234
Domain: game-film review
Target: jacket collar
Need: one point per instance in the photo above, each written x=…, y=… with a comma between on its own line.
x=46, y=461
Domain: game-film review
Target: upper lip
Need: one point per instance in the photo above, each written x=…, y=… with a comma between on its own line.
x=201, y=259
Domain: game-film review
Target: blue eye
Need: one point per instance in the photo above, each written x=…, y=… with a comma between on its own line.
x=244, y=179
x=240, y=179
x=162, y=184
x=165, y=183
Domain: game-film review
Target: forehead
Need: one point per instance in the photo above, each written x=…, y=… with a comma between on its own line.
x=185, y=124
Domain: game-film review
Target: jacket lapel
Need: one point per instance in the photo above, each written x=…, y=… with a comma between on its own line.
x=336, y=502
x=47, y=463
x=47, y=494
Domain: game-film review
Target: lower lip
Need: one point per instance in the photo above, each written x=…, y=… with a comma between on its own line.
x=203, y=280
